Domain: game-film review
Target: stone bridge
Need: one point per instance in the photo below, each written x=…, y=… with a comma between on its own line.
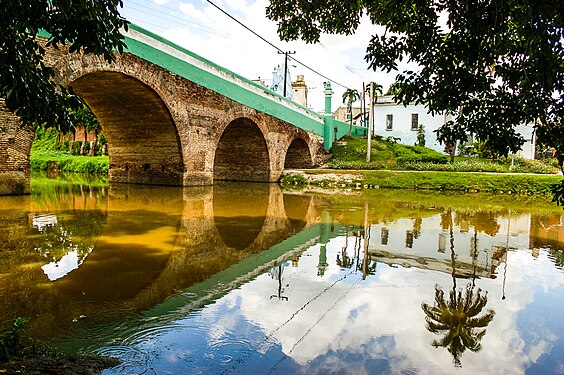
x=173, y=118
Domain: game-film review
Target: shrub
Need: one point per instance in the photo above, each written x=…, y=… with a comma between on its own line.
x=76, y=146
x=11, y=339
x=100, y=143
x=85, y=148
x=294, y=180
x=65, y=144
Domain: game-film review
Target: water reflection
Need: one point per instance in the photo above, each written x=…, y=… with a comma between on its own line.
x=105, y=254
x=456, y=317
x=240, y=278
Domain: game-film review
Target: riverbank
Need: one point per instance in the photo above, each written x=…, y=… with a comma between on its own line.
x=65, y=365
x=64, y=162
x=502, y=183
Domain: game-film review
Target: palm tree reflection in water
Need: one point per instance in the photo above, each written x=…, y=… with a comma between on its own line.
x=456, y=316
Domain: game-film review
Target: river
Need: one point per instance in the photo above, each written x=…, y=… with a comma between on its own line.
x=250, y=278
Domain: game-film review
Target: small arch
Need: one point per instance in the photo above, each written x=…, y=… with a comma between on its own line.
x=298, y=155
x=241, y=153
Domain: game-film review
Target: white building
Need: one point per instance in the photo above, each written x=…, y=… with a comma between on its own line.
x=398, y=121
x=401, y=122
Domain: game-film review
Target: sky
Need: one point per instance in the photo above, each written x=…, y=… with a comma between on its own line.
x=203, y=29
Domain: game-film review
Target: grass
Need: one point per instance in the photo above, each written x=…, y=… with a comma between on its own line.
x=47, y=154
x=62, y=161
x=459, y=181
x=385, y=154
x=524, y=184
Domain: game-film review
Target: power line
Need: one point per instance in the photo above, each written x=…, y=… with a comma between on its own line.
x=172, y=17
x=286, y=355
x=346, y=66
x=213, y=31
x=245, y=26
x=272, y=45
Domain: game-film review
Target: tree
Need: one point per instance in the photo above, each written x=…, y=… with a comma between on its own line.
x=457, y=316
x=378, y=89
x=349, y=97
x=420, y=136
x=393, y=89
x=25, y=79
x=494, y=64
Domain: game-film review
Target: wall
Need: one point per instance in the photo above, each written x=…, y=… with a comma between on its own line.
x=401, y=127
x=15, y=143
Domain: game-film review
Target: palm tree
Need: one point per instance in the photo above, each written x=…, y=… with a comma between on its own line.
x=457, y=316
x=349, y=97
x=377, y=89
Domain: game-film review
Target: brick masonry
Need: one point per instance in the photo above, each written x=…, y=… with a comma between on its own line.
x=163, y=129
x=15, y=143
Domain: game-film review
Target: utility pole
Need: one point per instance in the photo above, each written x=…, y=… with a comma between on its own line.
x=286, y=66
x=371, y=121
x=364, y=105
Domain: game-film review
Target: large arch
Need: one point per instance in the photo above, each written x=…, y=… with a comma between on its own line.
x=242, y=153
x=298, y=155
x=143, y=142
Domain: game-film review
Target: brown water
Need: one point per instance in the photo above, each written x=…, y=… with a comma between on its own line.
x=241, y=278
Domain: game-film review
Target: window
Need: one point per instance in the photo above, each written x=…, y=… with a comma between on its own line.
x=414, y=121
x=384, y=236
x=389, y=122
x=409, y=239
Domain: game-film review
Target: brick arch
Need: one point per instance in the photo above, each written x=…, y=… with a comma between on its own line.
x=132, y=101
x=143, y=143
x=298, y=155
x=242, y=152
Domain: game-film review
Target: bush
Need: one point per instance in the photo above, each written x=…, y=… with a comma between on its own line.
x=85, y=148
x=294, y=180
x=11, y=339
x=65, y=144
x=100, y=143
x=76, y=146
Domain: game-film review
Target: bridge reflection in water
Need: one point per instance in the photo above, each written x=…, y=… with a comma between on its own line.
x=89, y=250
x=92, y=265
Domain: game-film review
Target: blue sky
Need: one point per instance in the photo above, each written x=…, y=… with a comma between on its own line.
x=203, y=29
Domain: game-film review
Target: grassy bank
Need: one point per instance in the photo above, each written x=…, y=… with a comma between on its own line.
x=20, y=354
x=49, y=153
x=350, y=153
x=426, y=180
x=61, y=161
